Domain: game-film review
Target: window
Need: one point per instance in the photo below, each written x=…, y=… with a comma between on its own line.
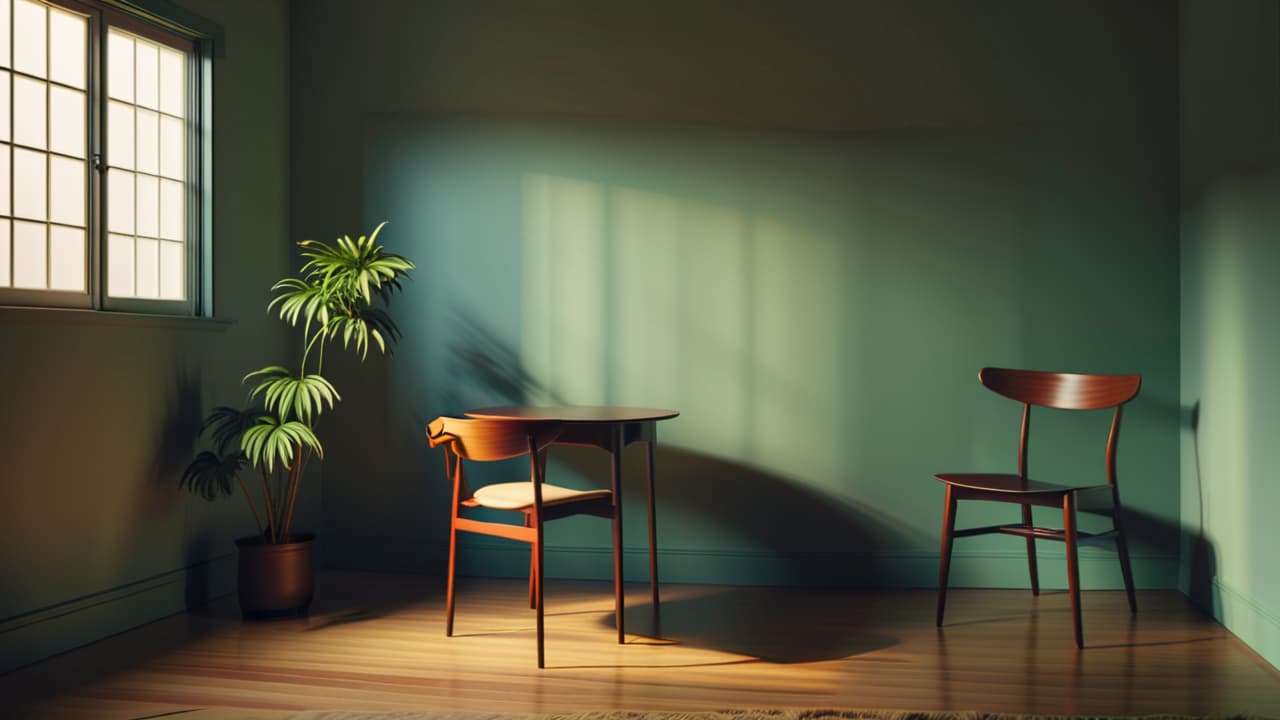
x=103, y=160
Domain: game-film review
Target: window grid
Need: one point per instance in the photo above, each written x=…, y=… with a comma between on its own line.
x=148, y=253
x=50, y=227
x=66, y=206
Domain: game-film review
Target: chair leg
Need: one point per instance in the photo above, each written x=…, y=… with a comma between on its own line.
x=1031, y=552
x=538, y=606
x=533, y=568
x=453, y=563
x=948, y=539
x=1073, y=565
x=533, y=579
x=1122, y=548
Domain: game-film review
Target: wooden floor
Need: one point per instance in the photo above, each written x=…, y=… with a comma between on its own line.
x=376, y=642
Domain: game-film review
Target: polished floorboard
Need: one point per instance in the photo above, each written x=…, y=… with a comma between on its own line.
x=376, y=642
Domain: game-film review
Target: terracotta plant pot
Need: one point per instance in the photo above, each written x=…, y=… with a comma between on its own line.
x=275, y=580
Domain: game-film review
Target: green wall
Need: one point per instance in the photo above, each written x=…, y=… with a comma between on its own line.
x=1230, y=150
x=804, y=226
x=99, y=415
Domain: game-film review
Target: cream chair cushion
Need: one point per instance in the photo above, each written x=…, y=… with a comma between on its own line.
x=519, y=495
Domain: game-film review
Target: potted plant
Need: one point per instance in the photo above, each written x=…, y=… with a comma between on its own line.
x=340, y=293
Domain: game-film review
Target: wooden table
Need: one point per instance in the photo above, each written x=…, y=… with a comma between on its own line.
x=611, y=429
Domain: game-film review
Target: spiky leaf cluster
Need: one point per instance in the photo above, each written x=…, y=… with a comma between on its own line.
x=341, y=289
x=272, y=439
x=288, y=395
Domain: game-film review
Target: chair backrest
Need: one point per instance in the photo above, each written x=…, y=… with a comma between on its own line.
x=486, y=440
x=1064, y=391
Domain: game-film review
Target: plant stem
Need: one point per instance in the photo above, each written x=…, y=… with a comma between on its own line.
x=293, y=491
x=320, y=360
x=266, y=496
x=306, y=351
x=249, y=499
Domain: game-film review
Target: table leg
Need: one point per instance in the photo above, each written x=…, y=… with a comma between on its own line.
x=615, y=471
x=653, y=538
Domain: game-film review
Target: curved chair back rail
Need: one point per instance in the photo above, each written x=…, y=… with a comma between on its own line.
x=1065, y=391
x=488, y=440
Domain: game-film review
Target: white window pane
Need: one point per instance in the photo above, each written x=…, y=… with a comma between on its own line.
x=119, y=266
x=148, y=274
x=67, y=181
x=119, y=201
x=29, y=112
x=172, y=152
x=4, y=181
x=120, y=66
x=148, y=206
x=173, y=99
x=67, y=121
x=4, y=104
x=147, y=75
x=120, y=135
x=173, y=216
x=148, y=147
x=66, y=258
x=29, y=184
x=173, y=270
x=30, y=256
x=29, y=23
x=67, y=40
x=5, y=35
x=5, y=276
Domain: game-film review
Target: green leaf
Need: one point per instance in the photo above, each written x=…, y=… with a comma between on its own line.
x=289, y=396
x=271, y=440
x=374, y=235
x=269, y=370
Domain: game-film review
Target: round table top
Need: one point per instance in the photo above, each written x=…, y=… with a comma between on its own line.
x=573, y=413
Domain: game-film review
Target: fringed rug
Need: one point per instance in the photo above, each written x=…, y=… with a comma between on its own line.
x=229, y=714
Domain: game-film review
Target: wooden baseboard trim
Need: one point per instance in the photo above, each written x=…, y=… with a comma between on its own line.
x=1247, y=619
x=897, y=569
x=39, y=634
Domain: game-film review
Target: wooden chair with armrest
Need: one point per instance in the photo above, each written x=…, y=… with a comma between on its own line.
x=539, y=502
x=1066, y=391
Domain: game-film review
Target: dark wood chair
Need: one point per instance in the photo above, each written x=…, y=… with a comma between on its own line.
x=1066, y=391
x=538, y=501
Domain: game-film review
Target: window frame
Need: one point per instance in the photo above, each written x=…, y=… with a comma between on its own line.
x=158, y=22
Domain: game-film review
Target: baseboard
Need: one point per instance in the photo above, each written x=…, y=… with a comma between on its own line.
x=34, y=636
x=843, y=569
x=904, y=569
x=1247, y=619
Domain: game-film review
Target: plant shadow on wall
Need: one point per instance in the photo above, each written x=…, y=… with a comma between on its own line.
x=340, y=294
x=487, y=370
x=177, y=435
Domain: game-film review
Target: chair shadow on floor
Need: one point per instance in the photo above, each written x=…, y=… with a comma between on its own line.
x=759, y=623
x=761, y=614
